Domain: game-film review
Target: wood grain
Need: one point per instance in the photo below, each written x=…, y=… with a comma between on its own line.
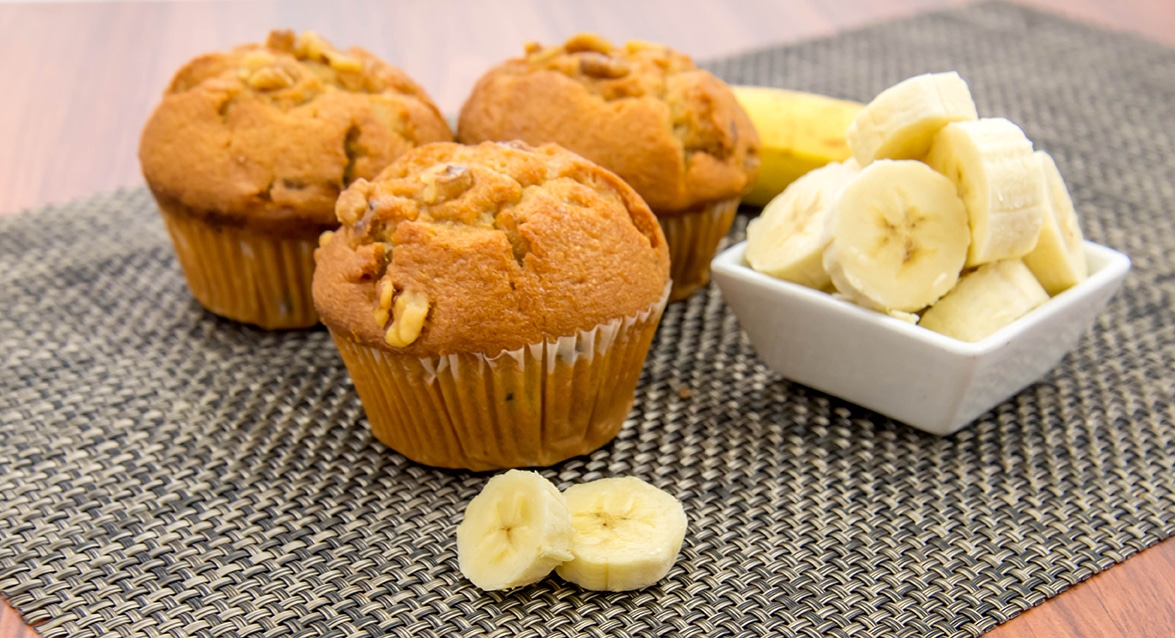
x=1135, y=599
x=82, y=78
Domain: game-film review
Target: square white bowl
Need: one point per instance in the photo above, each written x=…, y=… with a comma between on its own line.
x=928, y=380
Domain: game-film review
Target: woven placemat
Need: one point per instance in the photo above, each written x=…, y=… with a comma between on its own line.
x=165, y=472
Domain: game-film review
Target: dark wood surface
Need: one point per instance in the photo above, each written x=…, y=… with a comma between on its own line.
x=81, y=79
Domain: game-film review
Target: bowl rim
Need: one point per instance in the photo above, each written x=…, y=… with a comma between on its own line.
x=1106, y=266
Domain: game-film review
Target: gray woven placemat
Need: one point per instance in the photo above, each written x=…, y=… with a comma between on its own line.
x=165, y=472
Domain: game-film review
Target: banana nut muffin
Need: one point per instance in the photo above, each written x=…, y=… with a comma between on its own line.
x=248, y=151
x=493, y=303
x=674, y=132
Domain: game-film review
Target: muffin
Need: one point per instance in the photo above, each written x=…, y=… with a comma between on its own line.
x=248, y=152
x=675, y=133
x=493, y=303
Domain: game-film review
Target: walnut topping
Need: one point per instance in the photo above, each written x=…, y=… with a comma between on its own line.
x=409, y=314
x=255, y=60
x=270, y=78
x=315, y=48
x=343, y=62
x=445, y=182
x=599, y=65
x=587, y=42
x=281, y=40
x=311, y=46
x=542, y=55
x=352, y=203
x=385, y=289
x=636, y=46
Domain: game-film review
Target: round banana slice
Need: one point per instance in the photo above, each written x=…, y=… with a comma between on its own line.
x=901, y=121
x=898, y=237
x=1058, y=261
x=514, y=532
x=990, y=161
x=627, y=534
x=787, y=239
x=985, y=300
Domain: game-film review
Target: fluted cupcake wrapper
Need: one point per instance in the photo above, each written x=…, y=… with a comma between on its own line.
x=693, y=238
x=244, y=275
x=533, y=406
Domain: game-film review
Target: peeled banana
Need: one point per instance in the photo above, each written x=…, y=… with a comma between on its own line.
x=787, y=239
x=1058, y=261
x=991, y=297
x=515, y=531
x=799, y=132
x=901, y=121
x=627, y=534
x=1000, y=181
x=897, y=237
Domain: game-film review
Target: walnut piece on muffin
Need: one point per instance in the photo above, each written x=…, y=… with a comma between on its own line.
x=267, y=136
x=673, y=131
x=486, y=248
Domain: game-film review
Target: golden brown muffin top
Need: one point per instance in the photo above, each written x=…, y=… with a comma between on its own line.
x=486, y=248
x=268, y=135
x=674, y=132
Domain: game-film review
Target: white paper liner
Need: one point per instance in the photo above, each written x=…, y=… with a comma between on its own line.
x=244, y=275
x=693, y=238
x=531, y=406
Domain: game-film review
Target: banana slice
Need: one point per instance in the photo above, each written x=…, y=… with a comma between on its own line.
x=1058, y=261
x=987, y=299
x=514, y=532
x=898, y=237
x=787, y=239
x=901, y=121
x=991, y=163
x=627, y=534
x=798, y=132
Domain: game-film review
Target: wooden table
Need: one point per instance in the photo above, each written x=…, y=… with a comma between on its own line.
x=80, y=80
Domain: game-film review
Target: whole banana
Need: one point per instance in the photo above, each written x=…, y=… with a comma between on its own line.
x=799, y=132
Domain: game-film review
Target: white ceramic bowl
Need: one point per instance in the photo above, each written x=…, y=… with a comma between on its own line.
x=930, y=381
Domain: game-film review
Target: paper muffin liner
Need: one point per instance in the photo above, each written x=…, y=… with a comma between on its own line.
x=244, y=275
x=533, y=406
x=693, y=238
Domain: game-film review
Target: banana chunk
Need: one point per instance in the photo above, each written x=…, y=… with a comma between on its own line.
x=787, y=239
x=991, y=297
x=991, y=163
x=901, y=121
x=1058, y=261
x=898, y=237
x=799, y=132
x=514, y=532
x=627, y=534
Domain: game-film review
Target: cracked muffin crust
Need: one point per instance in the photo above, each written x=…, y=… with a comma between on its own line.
x=248, y=151
x=266, y=136
x=671, y=130
x=486, y=248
